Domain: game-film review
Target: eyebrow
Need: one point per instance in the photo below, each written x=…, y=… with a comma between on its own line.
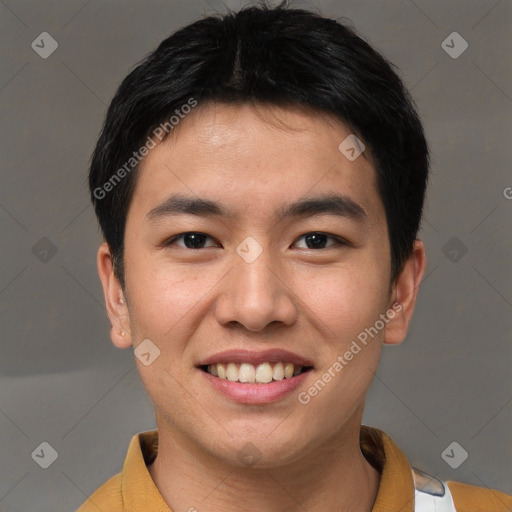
x=321, y=205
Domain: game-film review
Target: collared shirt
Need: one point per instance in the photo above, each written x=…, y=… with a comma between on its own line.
x=133, y=490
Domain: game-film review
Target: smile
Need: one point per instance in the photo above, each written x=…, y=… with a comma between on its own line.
x=263, y=373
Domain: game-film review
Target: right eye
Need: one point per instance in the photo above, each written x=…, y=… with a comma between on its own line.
x=191, y=240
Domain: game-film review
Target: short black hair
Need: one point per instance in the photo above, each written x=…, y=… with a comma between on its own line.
x=279, y=56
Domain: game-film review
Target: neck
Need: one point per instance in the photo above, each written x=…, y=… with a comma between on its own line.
x=335, y=476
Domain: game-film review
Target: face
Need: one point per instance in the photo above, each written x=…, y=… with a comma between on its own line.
x=290, y=253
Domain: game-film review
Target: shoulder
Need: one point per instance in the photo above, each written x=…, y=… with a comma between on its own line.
x=469, y=498
x=106, y=497
x=428, y=493
x=432, y=494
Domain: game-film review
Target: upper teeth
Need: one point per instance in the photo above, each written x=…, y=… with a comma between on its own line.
x=246, y=372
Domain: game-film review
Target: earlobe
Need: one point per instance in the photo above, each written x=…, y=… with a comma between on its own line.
x=121, y=339
x=404, y=294
x=117, y=309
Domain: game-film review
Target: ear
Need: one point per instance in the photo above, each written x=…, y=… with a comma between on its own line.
x=404, y=293
x=117, y=308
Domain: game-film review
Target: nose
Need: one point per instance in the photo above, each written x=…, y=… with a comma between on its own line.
x=256, y=295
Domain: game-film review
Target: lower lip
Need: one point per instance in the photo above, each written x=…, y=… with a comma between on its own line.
x=245, y=393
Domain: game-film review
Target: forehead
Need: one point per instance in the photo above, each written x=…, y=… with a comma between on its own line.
x=254, y=159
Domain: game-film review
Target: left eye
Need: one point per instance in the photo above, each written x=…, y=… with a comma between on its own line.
x=317, y=240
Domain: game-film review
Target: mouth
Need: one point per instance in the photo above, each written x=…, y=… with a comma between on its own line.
x=255, y=377
x=248, y=373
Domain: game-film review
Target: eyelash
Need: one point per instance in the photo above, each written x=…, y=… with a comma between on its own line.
x=338, y=241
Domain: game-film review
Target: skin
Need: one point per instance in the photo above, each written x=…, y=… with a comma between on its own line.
x=193, y=303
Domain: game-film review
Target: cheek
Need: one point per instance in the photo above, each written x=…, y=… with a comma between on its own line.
x=163, y=295
x=349, y=303
x=347, y=299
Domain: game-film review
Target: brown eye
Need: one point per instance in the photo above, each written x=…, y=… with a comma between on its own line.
x=191, y=240
x=318, y=240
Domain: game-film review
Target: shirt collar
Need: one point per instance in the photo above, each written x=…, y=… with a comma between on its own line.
x=396, y=488
x=138, y=490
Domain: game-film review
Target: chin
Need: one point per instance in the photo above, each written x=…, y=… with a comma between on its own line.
x=261, y=450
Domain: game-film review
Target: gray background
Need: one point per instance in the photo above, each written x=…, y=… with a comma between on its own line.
x=61, y=379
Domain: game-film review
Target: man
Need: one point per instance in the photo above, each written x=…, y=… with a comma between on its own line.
x=259, y=182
